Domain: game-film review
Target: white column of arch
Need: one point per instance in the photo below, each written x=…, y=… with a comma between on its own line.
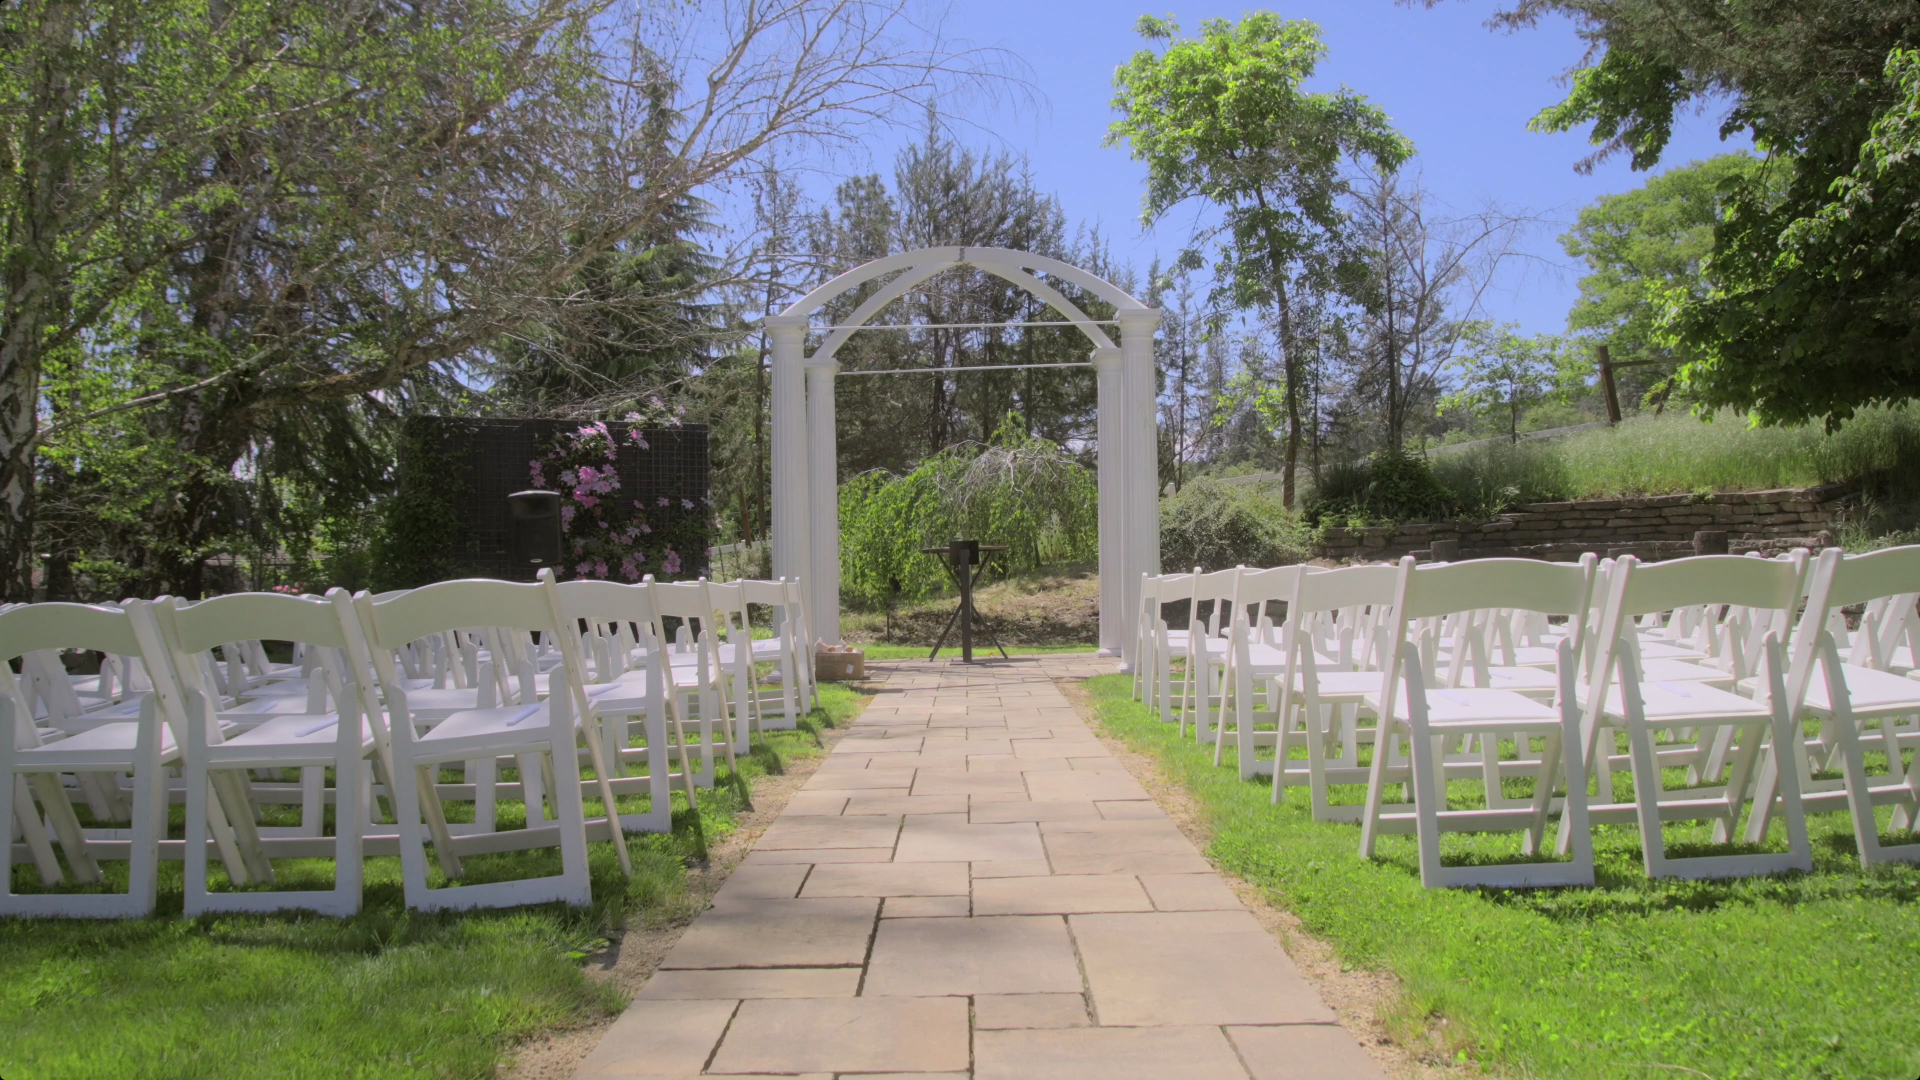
x=791, y=529
x=1142, y=438
x=823, y=496
x=1111, y=431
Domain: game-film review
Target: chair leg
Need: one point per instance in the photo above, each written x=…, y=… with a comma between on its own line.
x=426, y=804
x=33, y=830
x=604, y=781
x=66, y=827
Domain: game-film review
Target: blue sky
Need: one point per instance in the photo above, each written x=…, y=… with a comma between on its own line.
x=1461, y=92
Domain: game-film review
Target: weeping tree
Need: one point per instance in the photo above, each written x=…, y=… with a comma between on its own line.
x=1018, y=490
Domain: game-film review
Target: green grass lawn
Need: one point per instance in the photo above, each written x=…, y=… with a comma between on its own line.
x=389, y=993
x=1791, y=977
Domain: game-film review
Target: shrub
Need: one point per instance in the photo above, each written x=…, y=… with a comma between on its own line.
x=1214, y=526
x=1390, y=486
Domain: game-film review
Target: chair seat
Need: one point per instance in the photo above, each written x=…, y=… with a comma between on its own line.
x=442, y=701
x=309, y=731
x=279, y=688
x=1668, y=702
x=253, y=711
x=1519, y=679
x=1343, y=686
x=106, y=745
x=1660, y=650
x=1473, y=706
x=1685, y=671
x=1868, y=691
x=507, y=727
x=631, y=693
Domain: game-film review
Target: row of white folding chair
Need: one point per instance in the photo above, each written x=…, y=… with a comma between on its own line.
x=1476, y=722
x=1201, y=647
x=1733, y=638
x=175, y=720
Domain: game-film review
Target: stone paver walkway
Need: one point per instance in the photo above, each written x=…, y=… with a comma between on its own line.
x=971, y=886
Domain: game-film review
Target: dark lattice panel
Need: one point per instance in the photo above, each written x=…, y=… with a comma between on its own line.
x=496, y=453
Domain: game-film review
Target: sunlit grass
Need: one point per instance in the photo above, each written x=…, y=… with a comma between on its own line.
x=388, y=993
x=1791, y=976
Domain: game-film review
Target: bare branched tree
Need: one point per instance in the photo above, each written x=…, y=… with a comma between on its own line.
x=1431, y=273
x=305, y=203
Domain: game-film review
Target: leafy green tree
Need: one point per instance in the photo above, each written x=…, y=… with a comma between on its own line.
x=1813, y=309
x=1641, y=247
x=1500, y=373
x=1222, y=118
x=1807, y=308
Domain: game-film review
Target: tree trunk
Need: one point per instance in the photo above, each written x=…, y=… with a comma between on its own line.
x=1290, y=362
x=41, y=180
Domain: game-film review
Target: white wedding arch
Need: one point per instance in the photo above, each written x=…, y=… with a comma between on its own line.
x=806, y=503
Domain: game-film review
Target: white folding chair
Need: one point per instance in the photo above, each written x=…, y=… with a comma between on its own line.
x=542, y=736
x=1169, y=644
x=780, y=707
x=699, y=688
x=1206, y=652
x=615, y=697
x=735, y=657
x=349, y=739
x=1846, y=699
x=1619, y=700
x=1322, y=697
x=1429, y=718
x=1255, y=665
x=31, y=769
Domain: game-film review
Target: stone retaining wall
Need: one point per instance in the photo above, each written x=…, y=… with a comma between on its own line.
x=1655, y=527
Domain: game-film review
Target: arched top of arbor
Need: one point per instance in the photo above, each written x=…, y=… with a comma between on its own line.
x=913, y=267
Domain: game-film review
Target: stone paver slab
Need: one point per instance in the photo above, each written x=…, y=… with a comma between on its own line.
x=1190, y=892
x=1190, y=1053
x=1115, y=783
x=816, y=804
x=1130, y=810
x=1007, y=955
x=854, y=780
x=863, y=1034
x=1304, y=1052
x=888, y=879
x=897, y=805
x=659, y=1038
x=1011, y=868
x=777, y=933
x=985, y=813
x=1120, y=847
x=834, y=832
x=1010, y=1011
x=1007, y=763
x=774, y=881
x=952, y=838
x=1058, y=894
x=1191, y=967
x=735, y=983
x=949, y=781
x=818, y=855
x=926, y=907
